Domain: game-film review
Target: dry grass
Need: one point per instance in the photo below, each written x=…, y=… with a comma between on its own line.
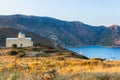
x=53, y=68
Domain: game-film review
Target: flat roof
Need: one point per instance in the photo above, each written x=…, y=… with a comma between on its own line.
x=11, y=38
x=18, y=38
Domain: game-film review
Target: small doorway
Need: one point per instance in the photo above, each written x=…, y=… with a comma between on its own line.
x=21, y=45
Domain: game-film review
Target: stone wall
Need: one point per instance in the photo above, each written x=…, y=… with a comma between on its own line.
x=20, y=42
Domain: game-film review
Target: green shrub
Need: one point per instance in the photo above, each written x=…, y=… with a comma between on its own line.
x=14, y=45
x=12, y=53
x=34, y=49
x=61, y=58
x=67, y=53
x=20, y=55
x=44, y=55
x=60, y=53
x=13, y=76
x=98, y=59
x=21, y=51
x=31, y=49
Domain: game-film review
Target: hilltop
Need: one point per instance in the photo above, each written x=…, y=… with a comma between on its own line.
x=69, y=33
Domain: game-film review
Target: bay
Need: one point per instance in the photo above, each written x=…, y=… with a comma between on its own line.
x=109, y=53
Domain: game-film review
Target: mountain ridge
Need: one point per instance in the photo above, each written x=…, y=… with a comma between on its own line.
x=69, y=33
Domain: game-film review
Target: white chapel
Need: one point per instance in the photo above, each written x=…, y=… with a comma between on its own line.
x=21, y=41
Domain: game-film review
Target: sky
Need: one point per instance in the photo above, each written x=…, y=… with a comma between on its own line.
x=92, y=12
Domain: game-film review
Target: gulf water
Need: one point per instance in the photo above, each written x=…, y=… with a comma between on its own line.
x=108, y=53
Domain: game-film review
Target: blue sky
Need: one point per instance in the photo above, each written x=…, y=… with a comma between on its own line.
x=93, y=12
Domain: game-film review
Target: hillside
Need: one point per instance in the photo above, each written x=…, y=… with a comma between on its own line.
x=52, y=68
x=8, y=32
x=69, y=33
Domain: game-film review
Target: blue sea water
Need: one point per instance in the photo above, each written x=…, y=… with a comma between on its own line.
x=98, y=52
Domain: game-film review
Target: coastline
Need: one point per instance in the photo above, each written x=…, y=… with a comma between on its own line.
x=93, y=45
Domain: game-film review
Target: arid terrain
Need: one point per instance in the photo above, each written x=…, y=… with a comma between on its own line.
x=55, y=66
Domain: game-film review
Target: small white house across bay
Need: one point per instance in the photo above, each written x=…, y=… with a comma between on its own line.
x=21, y=41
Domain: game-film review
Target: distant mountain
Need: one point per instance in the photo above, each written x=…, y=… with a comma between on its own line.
x=70, y=33
x=12, y=33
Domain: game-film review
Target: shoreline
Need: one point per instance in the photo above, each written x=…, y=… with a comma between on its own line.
x=94, y=45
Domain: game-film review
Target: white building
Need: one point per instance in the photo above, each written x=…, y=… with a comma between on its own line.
x=21, y=41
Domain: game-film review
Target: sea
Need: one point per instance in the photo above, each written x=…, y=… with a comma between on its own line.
x=108, y=53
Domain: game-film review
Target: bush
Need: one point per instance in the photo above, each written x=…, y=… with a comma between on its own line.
x=20, y=55
x=13, y=76
x=37, y=44
x=60, y=53
x=31, y=49
x=98, y=59
x=12, y=53
x=44, y=55
x=21, y=51
x=14, y=45
x=68, y=53
x=61, y=58
x=34, y=49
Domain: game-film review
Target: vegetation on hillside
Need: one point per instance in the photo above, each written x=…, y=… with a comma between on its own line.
x=39, y=63
x=54, y=68
x=40, y=51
